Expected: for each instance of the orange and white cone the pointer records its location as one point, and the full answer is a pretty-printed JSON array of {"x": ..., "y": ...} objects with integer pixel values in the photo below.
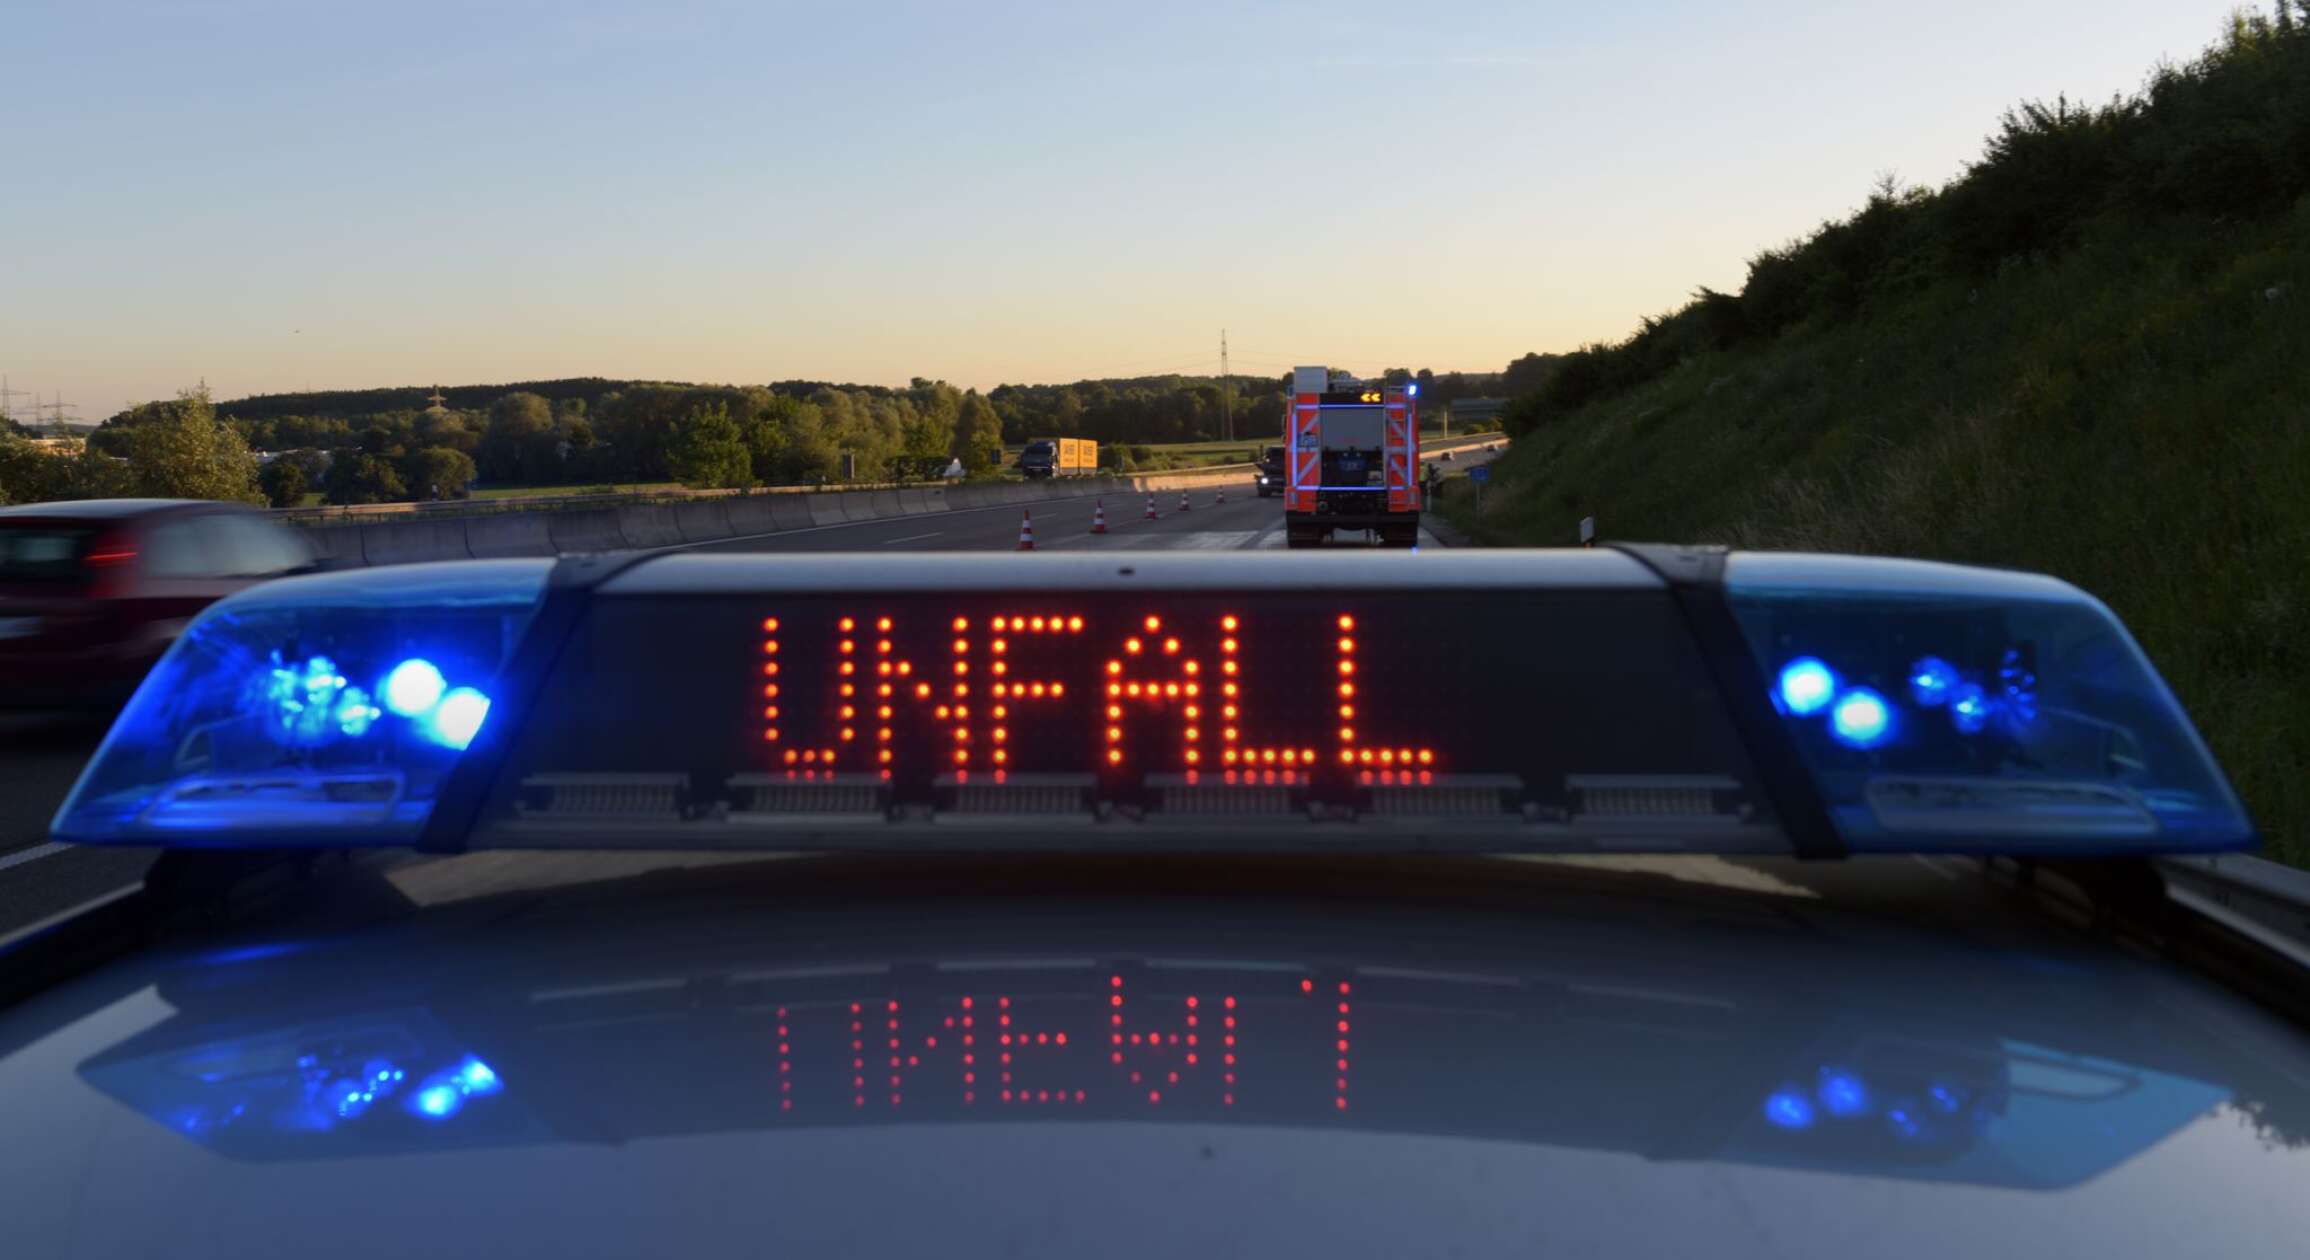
[
  {"x": 1183, "y": 505},
  {"x": 1150, "y": 507},
  {"x": 1026, "y": 531},
  {"x": 1099, "y": 516}
]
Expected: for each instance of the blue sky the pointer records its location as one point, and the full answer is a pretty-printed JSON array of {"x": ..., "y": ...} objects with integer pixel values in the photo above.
[{"x": 275, "y": 194}]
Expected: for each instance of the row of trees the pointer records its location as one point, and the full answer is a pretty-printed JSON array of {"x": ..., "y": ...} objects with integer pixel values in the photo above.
[
  {"x": 590, "y": 431},
  {"x": 2222, "y": 137},
  {"x": 176, "y": 449}
]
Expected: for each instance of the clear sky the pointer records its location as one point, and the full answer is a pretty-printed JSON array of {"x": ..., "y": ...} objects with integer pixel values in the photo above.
[{"x": 276, "y": 194}]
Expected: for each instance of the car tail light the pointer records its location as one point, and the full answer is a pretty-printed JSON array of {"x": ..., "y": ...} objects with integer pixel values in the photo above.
[{"x": 108, "y": 562}]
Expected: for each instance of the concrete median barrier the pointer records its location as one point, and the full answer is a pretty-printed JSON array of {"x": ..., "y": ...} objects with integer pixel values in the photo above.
[
  {"x": 708, "y": 521},
  {"x": 414, "y": 542},
  {"x": 585, "y": 531},
  {"x": 792, "y": 511},
  {"x": 649, "y": 527},
  {"x": 751, "y": 515},
  {"x": 337, "y": 546},
  {"x": 512, "y": 534}
]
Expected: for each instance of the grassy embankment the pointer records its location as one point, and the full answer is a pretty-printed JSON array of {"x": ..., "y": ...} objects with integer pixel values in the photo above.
[{"x": 2134, "y": 418}]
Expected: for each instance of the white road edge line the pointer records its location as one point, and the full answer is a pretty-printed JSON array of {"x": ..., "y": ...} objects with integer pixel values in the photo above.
[{"x": 33, "y": 854}]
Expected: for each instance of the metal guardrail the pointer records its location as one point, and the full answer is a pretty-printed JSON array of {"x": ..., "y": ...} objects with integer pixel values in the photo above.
[{"x": 2256, "y": 898}]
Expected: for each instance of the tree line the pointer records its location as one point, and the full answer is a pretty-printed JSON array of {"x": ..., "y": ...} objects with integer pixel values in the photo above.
[
  {"x": 2215, "y": 141},
  {"x": 389, "y": 445}
]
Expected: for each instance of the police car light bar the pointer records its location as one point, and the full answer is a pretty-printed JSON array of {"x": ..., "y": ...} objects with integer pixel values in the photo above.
[{"x": 1620, "y": 700}]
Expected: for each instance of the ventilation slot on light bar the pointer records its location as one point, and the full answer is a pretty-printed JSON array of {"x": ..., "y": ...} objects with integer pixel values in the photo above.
[
  {"x": 808, "y": 793},
  {"x": 603, "y": 795},
  {"x": 1616, "y": 798}
]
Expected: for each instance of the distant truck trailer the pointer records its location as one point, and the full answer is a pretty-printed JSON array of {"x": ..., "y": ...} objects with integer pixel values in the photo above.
[{"x": 1059, "y": 457}]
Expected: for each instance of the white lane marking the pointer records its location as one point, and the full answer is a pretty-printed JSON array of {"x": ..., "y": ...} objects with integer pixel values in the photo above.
[
  {"x": 910, "y": 538},
  {"x": 1215, "y": 540},
  {"x": 33, "y": 854}
]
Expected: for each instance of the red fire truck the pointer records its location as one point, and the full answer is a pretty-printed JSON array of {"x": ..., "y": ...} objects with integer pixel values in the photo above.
[{"x": 1352, "y": 452}]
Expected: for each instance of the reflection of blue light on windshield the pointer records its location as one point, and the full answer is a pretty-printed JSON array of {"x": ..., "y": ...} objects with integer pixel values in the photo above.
[
  {"x": 1807, "y": 686},
  {"x": 475, "y": 1077},
  {"x": 1842, "y": 1093},
  {"x": 1789, "y": 1109},
  {"x": 437, "y": 1102},
  {"x": 347, "y": 1098},
  {"x": 1861, "y": 719},
  {"x": 413, "y": 687},
  {"x": 382, "y": 1073},
  {"x": 250, "y": 953}
]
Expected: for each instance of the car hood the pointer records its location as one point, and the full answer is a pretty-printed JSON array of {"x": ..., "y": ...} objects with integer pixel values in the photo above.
[{"x": 728, "y": 1059}]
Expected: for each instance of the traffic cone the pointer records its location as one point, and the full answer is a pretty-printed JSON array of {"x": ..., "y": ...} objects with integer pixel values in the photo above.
[
  {"x": 1150, "y": 507},
  {"x": 1026, "y": 531},
  {"x": 1183, "y": 505},
  {"x": 1099, "y": 516}
]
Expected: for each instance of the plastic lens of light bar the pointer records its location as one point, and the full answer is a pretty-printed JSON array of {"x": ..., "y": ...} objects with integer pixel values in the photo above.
[
  {"x": 318, "y": 710},
  {"x": 1807, "y": 686},
  {"x": 1971, "y": 710}
]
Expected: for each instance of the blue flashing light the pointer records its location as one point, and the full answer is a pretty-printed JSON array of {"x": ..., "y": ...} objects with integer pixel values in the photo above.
[
  {"x": 1842, "y": 1094},
  {"x": 437, "y": 1102},
  {"x": 1807, "y": 686},
  {"x": 302, "y": 698},
  {"x": 2016, "y": 690},
  {"x": 413, "y": 688},
  {"x": 1861, "y": 719},
  {"x": 1931, "y": 680},
  {"x": 1969, "y": 709},
  {"x": 355, "y": 714},
  {"x": 476, "y": 1078},
  {"x": 1789, "y": 1109},
  {"x": 454, "y": 722}
]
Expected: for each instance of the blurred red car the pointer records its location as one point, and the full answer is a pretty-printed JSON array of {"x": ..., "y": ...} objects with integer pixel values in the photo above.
[{"x": 91, "y": 593}]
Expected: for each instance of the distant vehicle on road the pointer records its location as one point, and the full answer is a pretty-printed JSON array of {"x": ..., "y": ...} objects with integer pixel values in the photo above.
[
  {"x": 91, "y": 593},
  {"x": 1355, "y": 455},
  {"x": 1271, "y": 472},
  {"x": 1059, "y": 457}
]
